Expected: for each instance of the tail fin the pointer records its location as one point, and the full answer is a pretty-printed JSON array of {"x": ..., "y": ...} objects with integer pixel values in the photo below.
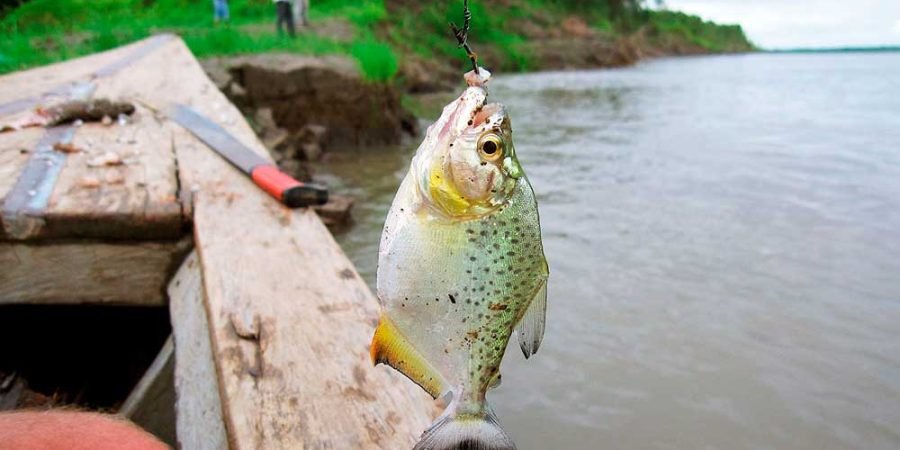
[{"x": 466, "y": 432}]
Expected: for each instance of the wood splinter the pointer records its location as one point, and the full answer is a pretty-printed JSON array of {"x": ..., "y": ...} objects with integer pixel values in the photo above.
[{"x": 85, "y": 110}]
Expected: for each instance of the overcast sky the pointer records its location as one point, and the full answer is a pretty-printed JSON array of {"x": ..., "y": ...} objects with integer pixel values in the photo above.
[{"x": 804, "y": 23}]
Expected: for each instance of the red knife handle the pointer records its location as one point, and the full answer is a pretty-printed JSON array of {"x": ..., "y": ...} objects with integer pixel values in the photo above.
[{"x": 286, "y": 189}]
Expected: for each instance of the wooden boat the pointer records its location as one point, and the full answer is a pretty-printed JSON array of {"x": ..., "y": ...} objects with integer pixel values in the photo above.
[{"x": 270, "y": 320}]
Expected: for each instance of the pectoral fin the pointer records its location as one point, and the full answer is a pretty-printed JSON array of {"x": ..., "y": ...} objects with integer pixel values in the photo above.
[
  {"x": 531, "y": 328},
  {"x": 389, "y": 346}
]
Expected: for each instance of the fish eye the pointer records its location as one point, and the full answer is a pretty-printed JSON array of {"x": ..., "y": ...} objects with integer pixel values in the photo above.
[{"x": 490, "y": 147}]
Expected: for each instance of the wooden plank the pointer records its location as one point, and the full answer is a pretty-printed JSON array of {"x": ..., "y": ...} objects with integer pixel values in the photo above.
[
  {"x": 199, "y": 422},
  {"x": 136, "y": 199},
  {"x": 151, "y": 404},
  {"x": 290, "y": 319},
  {"x": 87, "y": 272}
]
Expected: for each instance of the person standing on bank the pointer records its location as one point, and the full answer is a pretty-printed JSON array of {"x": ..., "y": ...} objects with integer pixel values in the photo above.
[
  {"x": 285, "y": 16},
  {"x": 220, "y": 11},
  {"x": 301, "y": 16}
]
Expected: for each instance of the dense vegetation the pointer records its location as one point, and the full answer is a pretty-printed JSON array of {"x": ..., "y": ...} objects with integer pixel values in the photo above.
[{"x": 383, "y": 31}]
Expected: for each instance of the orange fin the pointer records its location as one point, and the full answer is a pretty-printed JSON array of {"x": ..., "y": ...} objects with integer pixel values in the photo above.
[{"x": 389, "y": 346}]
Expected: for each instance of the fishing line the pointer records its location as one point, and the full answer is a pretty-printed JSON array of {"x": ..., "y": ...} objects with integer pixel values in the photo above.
[{"x": 462, "y": 35}]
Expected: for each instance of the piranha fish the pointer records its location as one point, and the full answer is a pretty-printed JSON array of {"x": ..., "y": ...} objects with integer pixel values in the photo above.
[{"x": 461, "y": 266}]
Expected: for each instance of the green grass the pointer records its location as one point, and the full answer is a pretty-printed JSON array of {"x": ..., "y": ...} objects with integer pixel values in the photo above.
[
  {"x": 376, "y": 59},
  {"x": 361, "y": 13},
  {"x": 44, "y": 31}
]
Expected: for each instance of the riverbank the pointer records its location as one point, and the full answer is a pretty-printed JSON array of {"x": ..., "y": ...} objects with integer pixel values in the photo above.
[{"x": 400, "y": 42}]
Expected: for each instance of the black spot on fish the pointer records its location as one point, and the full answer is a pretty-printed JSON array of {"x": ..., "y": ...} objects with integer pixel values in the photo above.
[
  {"x": 471, "y": 258},
  {"x": 452, "y": 298}
]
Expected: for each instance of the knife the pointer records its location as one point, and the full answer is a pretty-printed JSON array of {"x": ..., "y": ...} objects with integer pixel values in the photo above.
[{"x": 286, "y": 189}]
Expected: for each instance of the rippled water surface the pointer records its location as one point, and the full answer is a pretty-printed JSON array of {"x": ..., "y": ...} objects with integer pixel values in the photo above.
[{"x": 724, "y": 244}]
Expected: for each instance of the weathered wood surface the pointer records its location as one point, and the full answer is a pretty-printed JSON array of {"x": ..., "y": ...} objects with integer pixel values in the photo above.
[
  {"x": 290, "y": 319},
  {"x": 122, "y": 181},
  {"x": 199, "y": 422},
  {"x": 151, "y": 404},
  {"x": 134, "y": 199},
  {"x": 87, "y": 272}
]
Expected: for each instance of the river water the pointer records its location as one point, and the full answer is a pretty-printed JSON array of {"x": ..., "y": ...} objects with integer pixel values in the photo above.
[{"x": 723, "y": 236}]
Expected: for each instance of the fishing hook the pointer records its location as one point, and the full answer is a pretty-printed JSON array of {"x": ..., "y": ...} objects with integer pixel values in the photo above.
[{"x": 462, "y": 35}]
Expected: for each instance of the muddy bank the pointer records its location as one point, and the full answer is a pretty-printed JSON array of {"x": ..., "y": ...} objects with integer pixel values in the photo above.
[
  {"x": 328, "y": 93},
  {"x": 549, "y": 44}
]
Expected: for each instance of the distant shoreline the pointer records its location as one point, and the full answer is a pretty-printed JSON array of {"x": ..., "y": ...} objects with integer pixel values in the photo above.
[{"x": 872, "y": 49}]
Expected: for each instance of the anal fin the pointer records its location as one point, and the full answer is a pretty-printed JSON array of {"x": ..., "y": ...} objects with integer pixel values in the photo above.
[{"x": 390, "y": 347}]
